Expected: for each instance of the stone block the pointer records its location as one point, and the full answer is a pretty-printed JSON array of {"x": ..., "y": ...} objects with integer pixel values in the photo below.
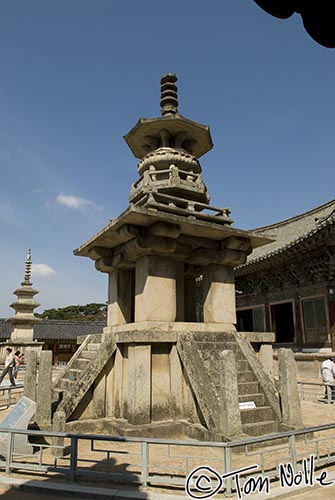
[
  {"x": 44, "y": 390},
  {"x": 120, "y": 297},
  {"x": 288, "y": 388},
  {"x": 139, "y": 384},
  {"x": 219, "y": 295},
  {"x": 155, "y": 289},
  {"x": 30, "y": 375},
  {"x": 230, "y": 415},
  {"x": 266, "y": 358}
]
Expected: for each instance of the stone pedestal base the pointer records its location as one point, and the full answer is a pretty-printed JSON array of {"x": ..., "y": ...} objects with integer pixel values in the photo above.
[{"x": 149, "y": 327}]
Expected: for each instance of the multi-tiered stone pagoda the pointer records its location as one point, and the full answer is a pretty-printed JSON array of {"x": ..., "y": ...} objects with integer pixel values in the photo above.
[
  {"x": 170, "y": 360},
  {"x": 24, "y": 319}
]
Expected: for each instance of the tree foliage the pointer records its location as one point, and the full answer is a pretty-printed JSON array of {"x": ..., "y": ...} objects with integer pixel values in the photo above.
[{"x": 89, "y": 312}]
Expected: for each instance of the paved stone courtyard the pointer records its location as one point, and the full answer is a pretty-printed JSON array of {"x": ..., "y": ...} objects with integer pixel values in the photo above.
[{"x": 314, "y": 413}]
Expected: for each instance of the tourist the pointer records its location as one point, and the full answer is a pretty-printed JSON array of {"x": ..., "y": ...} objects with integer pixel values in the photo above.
[
  {"x": 18, "y": 359},
  {"x": 9, "y": 365},
  {"x": 328, "y": 376}
]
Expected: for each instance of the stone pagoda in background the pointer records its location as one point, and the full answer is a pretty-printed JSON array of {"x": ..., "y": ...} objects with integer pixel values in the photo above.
[
  {"x": 170, "y": 361},
  {"x": 24, "y": 320}
]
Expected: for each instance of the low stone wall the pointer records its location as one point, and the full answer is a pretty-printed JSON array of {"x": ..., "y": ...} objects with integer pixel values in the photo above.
[{"x": 308, "y": 364}]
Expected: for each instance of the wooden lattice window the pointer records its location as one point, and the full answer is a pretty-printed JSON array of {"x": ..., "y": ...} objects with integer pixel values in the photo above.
[{"x": 315, "y": 320}]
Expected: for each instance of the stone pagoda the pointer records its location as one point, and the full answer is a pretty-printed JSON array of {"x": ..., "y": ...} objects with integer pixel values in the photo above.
[
  {"x": 24, "y": 320},
  {"x": 170, "y": 361},
  {"x": 170, "y": 235}
]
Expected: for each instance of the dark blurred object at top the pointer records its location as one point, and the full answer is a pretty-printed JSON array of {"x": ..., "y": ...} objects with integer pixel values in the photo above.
[{"x": 317, "y": 16}]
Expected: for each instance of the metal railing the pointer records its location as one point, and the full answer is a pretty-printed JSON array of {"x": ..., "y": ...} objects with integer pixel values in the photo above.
[
  {"x": 167, "y": 462},
  {"x": 315, "y": 391},
  {"x": 9, "y": 395}
]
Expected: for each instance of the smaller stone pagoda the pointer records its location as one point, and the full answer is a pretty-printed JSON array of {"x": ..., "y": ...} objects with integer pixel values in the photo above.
[{"x": 24, "y": 320}]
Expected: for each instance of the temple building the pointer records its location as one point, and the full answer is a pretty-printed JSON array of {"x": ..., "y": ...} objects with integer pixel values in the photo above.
[{"x": 288, "y": 286}]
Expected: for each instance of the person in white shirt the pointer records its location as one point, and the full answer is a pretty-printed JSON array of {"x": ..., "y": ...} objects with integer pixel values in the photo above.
[
  {"x": 9, "y": 365},
  {"x": 328, "y": 376}
]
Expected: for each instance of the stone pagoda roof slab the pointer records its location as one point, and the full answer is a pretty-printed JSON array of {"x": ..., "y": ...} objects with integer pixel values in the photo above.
[
  {"x": 109, "y": 237},
  {"x": 196, "y": 132}
]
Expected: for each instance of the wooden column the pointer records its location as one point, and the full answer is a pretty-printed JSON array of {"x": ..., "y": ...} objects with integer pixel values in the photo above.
[{"x": 331, "y": 315}]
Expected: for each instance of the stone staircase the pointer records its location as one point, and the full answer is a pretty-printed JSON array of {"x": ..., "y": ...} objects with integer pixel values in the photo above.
[
  {"x": 81, "y": 372},
  {"x": 200, "y": 357}
]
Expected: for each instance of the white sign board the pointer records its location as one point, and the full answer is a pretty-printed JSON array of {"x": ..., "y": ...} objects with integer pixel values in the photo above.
[
  {"x": 18, "y": 418},
  {"x": 247, "y": 405}
]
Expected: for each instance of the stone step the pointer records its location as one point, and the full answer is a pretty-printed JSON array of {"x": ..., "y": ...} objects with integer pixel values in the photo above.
[
  {"x": 59, "y": 393},
  {"x": 75, "y": 372},
  {"x": 93, "y": 346},
  {"x": 80, "y": 363},
  {"x": 258, "y": 398},
  {"x": 88, "y": 354},
  {"x": 213, "y": 351},
  {"x": 242, "y": 365},
  {"x": 252, "y": 415},
  {"x": 67, "y": 384},
  {"x": 242, "y": 377},
  {"x": 218, "y": 346},
  {"x": 216, "y": 338},
  {"x": 246, "y": 376},
  {"x": 248, "y": 388},
  {"x": 260, "y": 428}
]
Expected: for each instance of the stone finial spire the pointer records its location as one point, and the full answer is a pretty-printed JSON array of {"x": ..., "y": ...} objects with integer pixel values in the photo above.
[
  {"x": 27, "y": 274},
  {"x": 169, "y": 96}
]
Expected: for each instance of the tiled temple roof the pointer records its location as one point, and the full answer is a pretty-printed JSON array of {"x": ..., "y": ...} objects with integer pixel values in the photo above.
[
  {"x": 288, "y": 234},
  {"x": 57, "y": 329}
]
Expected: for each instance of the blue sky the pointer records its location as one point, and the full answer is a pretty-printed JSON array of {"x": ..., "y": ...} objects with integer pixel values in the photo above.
[{"x": 76, "y": 76}]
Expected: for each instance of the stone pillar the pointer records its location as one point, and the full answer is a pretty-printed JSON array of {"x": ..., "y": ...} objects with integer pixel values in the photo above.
[
  {"x": 288, "y": 389},
  {"x": 58, "y": 425},
  {"x": 299, "y": 328},
  {"x": 155, "y": 296},
  {"x": 219, "y": 295},
  {"x": 139, "y": 384},
  {"x": 230, "y": 414},
  {"x": 120, "y": 297},
  {"x": 99, "y": 397},
  {"x": 180, "y": 291},
  {"x": 30, "y": 375},
  {"x": 266, "y": 358},
  {"x": 160, "y": 382},
  {"x": 177, "y": 385},
  {"x": 118, "y": 382},
  {"x": 190, "y": 299},
  {"x": 44, "y": 390}
]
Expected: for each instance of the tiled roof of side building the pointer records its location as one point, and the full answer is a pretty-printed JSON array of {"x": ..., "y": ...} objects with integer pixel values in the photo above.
[
  {"x": 57, "y": 329},
  {"x": 290, "y": 232}
]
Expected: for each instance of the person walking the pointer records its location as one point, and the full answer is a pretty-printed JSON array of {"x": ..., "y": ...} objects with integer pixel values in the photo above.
[
  {"x": 328, "y": 377},
  {"x": 18, "y": 359},
  {"x": 9, "y": 365}
]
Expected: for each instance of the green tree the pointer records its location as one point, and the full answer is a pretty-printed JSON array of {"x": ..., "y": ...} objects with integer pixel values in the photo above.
[{"x": 88, "y": 312}]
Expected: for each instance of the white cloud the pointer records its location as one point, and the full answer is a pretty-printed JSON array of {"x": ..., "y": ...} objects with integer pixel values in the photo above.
[
  {"x": 42, "y": 270},
  {"x": 75, "y": 202}
]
